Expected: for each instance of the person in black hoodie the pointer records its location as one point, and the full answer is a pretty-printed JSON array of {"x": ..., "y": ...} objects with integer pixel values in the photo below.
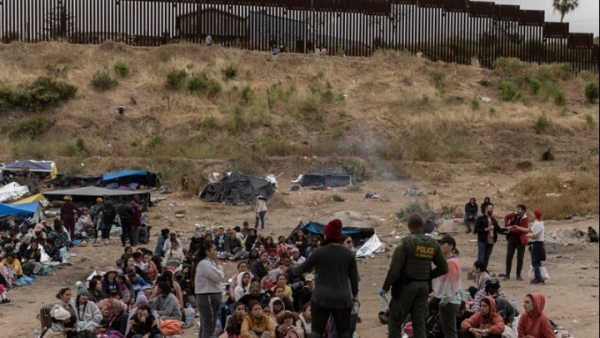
[
  {"x": 484, "y": 205},
  {"x": 126, "y": 213},
  {"x": 107, "y": 212},
  {"x": 470, "y": 214}
]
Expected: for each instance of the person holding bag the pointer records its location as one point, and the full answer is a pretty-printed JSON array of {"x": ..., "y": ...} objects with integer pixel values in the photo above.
[{"x": 536, "y": 246}]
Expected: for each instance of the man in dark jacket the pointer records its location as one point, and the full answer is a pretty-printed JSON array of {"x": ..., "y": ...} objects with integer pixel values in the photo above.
[
  {"x": 517, "y": 240},
  {"x": 470, "y": 213},
  {"x": 107, "y": 213},
  {"x": 136, "y": 220},
  {"x": 126, "y": 213},
  {"x": 487, "y": 229}
]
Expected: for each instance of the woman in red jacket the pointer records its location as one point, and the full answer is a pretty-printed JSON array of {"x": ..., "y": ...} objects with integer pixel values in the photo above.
[
  {"x": 486, "y": 323},
  {"x": 534, "y": 323}
]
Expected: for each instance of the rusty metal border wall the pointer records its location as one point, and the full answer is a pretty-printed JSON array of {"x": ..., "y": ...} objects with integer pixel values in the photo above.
[{"x": 448, "y": 30}]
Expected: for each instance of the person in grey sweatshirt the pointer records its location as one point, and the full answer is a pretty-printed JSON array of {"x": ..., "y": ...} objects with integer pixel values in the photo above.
[
  {"x": 166, "y": 304},
  {"x": 207, "y": 274}
]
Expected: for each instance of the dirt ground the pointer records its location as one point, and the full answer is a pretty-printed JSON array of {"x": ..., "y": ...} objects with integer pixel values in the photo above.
[{"x": 571, "y": 293}]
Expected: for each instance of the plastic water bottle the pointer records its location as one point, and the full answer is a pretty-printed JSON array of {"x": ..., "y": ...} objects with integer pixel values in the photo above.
[
  {"x": 36, "y": 333},
  {"x": 514, "y": 304},
  {"x": 189, "y": 314}
]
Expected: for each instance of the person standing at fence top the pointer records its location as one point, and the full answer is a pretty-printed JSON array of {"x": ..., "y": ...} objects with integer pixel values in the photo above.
[
  {"x": 208, "y": 41},
  {"x": 261, "y": 210},
  {"x": 67, "y": 215}
]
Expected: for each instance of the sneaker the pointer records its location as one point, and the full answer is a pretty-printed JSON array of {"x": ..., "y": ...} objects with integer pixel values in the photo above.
[
  {"x": 519, "y": 278},
  {"x": 507, "y": 277},
  {"x": 537, "y": 282}
]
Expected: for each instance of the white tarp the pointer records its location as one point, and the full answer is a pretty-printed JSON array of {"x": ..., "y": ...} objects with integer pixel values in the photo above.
[
  {"x": 12, "y": 191},
  {"x": 371, "y": 247}
]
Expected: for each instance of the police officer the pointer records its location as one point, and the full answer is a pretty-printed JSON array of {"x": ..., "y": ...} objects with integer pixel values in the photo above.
[{"x": 410, "y": 275}]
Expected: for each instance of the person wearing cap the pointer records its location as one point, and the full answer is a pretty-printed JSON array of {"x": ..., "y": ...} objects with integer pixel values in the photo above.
[
  {"x": 110, "y": 284},
  {"x": 67, "y": 214},
  {"x": 536, "y": 242},
  {"x": 297, "y": 258},
  {"x": 517, "y": 225},
  {"x": 287, "y": 322},
  {"x": 261, "y": 211},
  {"x": 409, "y": 278},
  {"x": 88, "y": 314},
  {"x": 335, "y": 265},
  {"x": 61, "y": 319},
  {"x": 448, "y": 289},
  {"x": 307, "y": 290}
]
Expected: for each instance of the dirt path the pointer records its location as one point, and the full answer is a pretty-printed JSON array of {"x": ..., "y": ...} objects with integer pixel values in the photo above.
[{"x": 571, "y": 294}]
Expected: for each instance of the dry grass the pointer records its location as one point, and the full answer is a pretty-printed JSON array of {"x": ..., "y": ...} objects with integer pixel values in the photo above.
[{"x": 559, "y": 199}]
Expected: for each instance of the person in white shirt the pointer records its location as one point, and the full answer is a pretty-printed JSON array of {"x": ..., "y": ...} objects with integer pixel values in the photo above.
[
  {"x": 536, "y": 242},
  {"x": 296, "y": 258},
  {"x": 172, "y": 238}
]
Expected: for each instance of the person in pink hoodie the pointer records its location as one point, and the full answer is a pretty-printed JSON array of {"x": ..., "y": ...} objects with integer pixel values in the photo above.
[
  {"x": 485, "y": 323},
  {"x": 534, "y": 323}
]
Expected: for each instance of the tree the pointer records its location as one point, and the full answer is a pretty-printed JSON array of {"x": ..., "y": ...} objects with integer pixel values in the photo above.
[
  {"x": 59, "y": 23},
  {"x": 564, "y": 7}
]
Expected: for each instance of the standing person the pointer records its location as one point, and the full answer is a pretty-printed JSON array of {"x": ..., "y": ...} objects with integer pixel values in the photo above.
[
  {"x": 108, "y": 213},
  {"x": 470, "y": 214},
  {"x": 95, "y": 213},
  {"x": 484, "y": 205},
  {"x": 534, "y": 322},
  {"x": 487, "y": 229},
  {"x": 208, "y": 274},
  {"x": 67, "y": 215},
  {"x": 536, "y": 242},
  {"x": 160, "y": 243},
  {"x": 126, "y": 213},
  {"x": 136, "y": 220},
  {"x": 517, "y": 225},
  {"x": 335, "y": 265},
  {"x": 409, "y": 276},
  {"x": 448, "y": 289},
  {"x": 261, "y": 210}
]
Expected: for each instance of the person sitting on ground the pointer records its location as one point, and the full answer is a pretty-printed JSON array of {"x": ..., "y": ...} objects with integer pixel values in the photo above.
[
  {"x": 273, "y": 258},
  {"x": 143, "y": 324},
  {"x": 287, "y": 325},
  {"x": 482, "y": 276},
  {"x": 486, "y": 323},
  {"x": 12, "y": 263},
  {"x": 243, "y": 285},
  {"x": 305, "y": 320},
  {"x": 297, "y": 258},
  {"x": 242, "y": 267},
  {"x": 166, "y": 304},
  {"x": 234, "y": 244},
  {"x": 52, "y": 250},
  {"x": 150, "y": 268},
  {"x": 461, "y": 315},
  {"x": 95, "y": 291},
  {"x": 233, "y": 324},
  {"x": 127, "y": 252},
  {"x": 250, "y": 240},
  {"x": 131, "y": 263},
  {"x": 195, "y": 242},
  {"x": 254, "y": 295},
  {"x": 282, "y": 282},
  {"x": 470, "y": 214},
  {"x": 32, "y": 259},
  {"x": 127, "y": 287},
  {"x": 174, "y": 254},
  {"x": 89, "y": 316},
  {"x": 114, "y": 315},
  {"x": 174, "y": 286},
  {"x": 277, "y": 307},
  {"x": 256, "y": 324},
  {"x": 503, "y": 306},
  {"x": 160, "y": 243},
  {"x": 59, "y": 234},
  {"x": 136, "y": 281},
  {"x": 110, "y": 284},
  {"x": 313, "y": 244},
  {"x": 64, "y": 301},
  {"x": 260, "y": 268},
  {"x": 61, "y": 323},
  {"x": 534, "y": 322}
]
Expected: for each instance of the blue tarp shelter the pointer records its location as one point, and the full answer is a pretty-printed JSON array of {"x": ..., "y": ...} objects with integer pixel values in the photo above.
[
  {"x": 23, "y": 210},
  {"x": 48, "y": 167},
  {"x": 124, "y": 177},
  {"x": 359, "y": 235}
]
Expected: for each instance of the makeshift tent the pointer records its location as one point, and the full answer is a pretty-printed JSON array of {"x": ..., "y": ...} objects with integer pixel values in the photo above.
[
  {"x": 87, "y": 195},
  {"x": 333, "y": 177},
  {"x": 371, "y": 247},
  {"x": 12, "y": 191},
  {"x": 126, "y": 177},
  {"x": 359, "y": 235},
  {"x": 34, "y": 198},
  {"x": 43, "y": 167},
  {"x": 70, "y": 180},
  {"x": 236, "y": 188},
  {"x": 31, "y": 210}
]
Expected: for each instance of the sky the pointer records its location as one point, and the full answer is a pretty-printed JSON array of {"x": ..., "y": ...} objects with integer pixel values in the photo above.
[{"x": 583, "y": 20}]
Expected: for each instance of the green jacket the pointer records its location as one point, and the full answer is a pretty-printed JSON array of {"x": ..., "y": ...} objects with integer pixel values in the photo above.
[{"x": 412, "y": 261}]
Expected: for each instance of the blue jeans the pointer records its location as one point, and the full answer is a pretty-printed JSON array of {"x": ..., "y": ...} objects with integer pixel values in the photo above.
[
  {"x": 261, "y": 217},
  {"x": 105, "y": 230},
  {"x": 484, "y": 251},
  {"x": 536, "y": 264},
  {"x": 468, "y": 222}
]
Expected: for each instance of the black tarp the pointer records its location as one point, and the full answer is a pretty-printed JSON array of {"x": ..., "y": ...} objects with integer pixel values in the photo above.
[
  {"x": 358, "y": 235},
  {"x": 64, "y": 181},
  {"x": 333, "y": 177},
  {"x": 236, "y": 188},
  {"x": 86, "y": 196}
]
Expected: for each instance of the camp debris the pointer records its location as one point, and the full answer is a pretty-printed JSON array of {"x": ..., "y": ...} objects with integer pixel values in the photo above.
[
  {"x": 129, "y": 178},
  {"x": 235, "y": 188},
  {"x": 371, "y": 247},
  {"x": 333, "y": 177},
  {"x": 31, "y": 210},
  {"x": 42, "y": 168},
  {"x": 359, "y": 235},
  {"x": 12, "y": 191},
  {"x": 88, "y": 195}
]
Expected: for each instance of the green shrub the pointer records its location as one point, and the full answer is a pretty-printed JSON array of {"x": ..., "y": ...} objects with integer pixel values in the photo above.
[
  {"x": 103, "y": 81},
  {"x": 43, "y": 93},
  {"x": 237, "y": 122},
  {"x": 507, "y": 67},
  {"x": 413, "y": 207},
  {"x": 156, "y": 140},
  {"x": 507, "y": 92},
  {"x": 475, "y": 104},
  {"x": 485, "y": 82},
  {"x": 229, "y": 73},
  {"x": 591, "y": 91},
  {"x": 214, "y": 88},
  {"x": 209, "y": 122},
  {"x": 492, "y": 112},
  {"x": 30, "y": 128},
  {"x": 358, "y": 168},
  {"x": 542, "y": 123},
  {"x": 437, "y": 78},
  {"x": 136, "y": 143},
  {"x": 121, "y": 69},
  {"x": 247, "y": 94},
  {"x": 316, "y": 116},
  {"x": 560, "y": 98},
  {"x": 589, "y": 120},
  {"x": 554, "y": 72},
  {"x": 534, "y": 84},
  {"x": 327, "y": 96},
  {"x": 80, "y": 144},
  {"x": 176, "y": 79},
  {"x": 197, "y": 84}
]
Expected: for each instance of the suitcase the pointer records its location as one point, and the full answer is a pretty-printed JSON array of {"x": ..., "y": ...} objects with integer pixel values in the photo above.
[{"x": 45, "y": 318}]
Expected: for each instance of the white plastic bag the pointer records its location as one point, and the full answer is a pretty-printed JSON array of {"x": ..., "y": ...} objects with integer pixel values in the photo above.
[{"x": 543, "y": 272}]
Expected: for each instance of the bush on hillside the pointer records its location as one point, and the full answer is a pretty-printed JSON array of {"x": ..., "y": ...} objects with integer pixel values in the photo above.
[
  {"x": 121, "y": 69},
  {"x": 43, "y": 93},
  {"x": 176, "y": 79},
  {"x": 229, "y": 73},
  {"x": 542, "y": 123},
  {"x": 102, "y": 81},
  {"x": 591, "y": 92},
  {"x": 508, "y": 67},
  {"x": 507, "y": 91},
  {"x": 29, "y": 128},
  {"x": 247, "y": 94}
]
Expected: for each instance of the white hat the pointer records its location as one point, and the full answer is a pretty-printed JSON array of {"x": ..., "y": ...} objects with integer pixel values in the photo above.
[
  {"x": 309, "y": 278},
  {"x": 60, "y": 313}
]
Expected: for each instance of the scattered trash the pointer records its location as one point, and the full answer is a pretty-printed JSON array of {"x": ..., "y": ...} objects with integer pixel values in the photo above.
[
  {"x": 414, "y": 192},
  {"x": 338, "y": 198},
  {"x": 295, "y": 188},
  {"x": 272, "y": 179},
  {"x": 297, "y": 180},
  {"x": 179, "y": 215},
  {"x": 371, "y": 247},
  {"x": 552, "y": 194},
  {"x": 371, "y": 195},
  {"x": 485, "y": 99}
]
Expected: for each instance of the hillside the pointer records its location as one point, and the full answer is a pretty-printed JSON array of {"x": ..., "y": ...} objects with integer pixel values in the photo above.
[{"x": 393, "y": 115}]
